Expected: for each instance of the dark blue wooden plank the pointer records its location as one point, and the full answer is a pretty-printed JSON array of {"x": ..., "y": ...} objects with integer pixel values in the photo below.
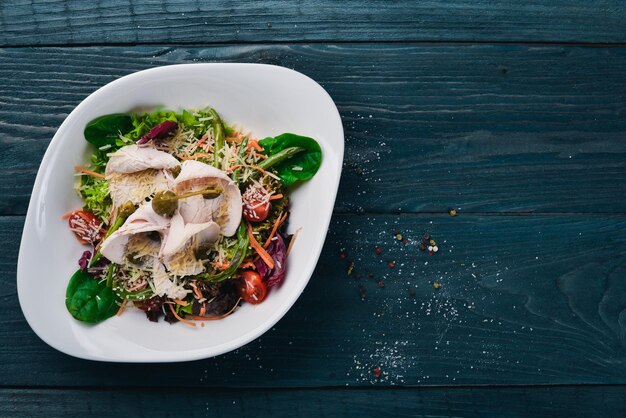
[
  {"x": 605, "y": 401},
  {"x": 477, "y": 127},
  {"x": 35, "y": 22},
  {"x": 506, "y": 300}
]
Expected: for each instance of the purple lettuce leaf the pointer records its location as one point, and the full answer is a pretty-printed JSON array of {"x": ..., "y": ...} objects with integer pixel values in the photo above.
[
  {"x": 158, "y": 132},
  {"x": 278, "y": 251},
  {"x": 83, "y": 262}
]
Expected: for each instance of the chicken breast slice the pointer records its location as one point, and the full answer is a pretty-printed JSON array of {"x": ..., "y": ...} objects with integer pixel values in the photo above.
[
  {"x": 144, "y": 219},
  {"x": 135, "y": 187},
  {"x": 133, "y": 158},
  {"x": 180, "y": 233},
  {"x": 225, "y": 210},
  {"x": 135, "y": 173}
]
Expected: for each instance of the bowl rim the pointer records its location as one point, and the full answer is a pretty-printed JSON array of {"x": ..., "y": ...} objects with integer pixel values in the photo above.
[{"x": 189, "y": 355}]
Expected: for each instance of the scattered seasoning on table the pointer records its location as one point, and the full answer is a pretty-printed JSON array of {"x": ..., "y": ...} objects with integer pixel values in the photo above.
[
  {"x": 377, "y": 372},
  {"x": 343, "y": 255},
  {"x": 350, "y": 268},
  {"x": 452, "y": 212},
  {"x": 399, "y": 236},
  {"x": 362, "y": 292},
  {"x": 381, "y": 283},
  {"x": 437, "y": 285},
  {"x": 370, "y": 274},
  {"x": 405, "y": 241},
  {"x": 424, "y": 242},
  {"x": 378, "y": 250},
  {"x": 392, "y": 264}
]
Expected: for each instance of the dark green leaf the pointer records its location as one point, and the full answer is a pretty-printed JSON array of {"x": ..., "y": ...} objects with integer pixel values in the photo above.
[
  {"x": 295, "y": 158},
  {"x": 88, "y": 300},
  {"x": 106, "y": 129}
]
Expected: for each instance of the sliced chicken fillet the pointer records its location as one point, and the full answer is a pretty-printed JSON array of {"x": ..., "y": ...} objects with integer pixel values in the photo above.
[
  {"x": 143, "y": 220},
  {"x": 225, "y": 209},
  {"x": 135, "y": 173}
]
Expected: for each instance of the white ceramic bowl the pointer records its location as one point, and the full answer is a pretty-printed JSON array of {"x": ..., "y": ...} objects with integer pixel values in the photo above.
[{"x": 268, "y": 100}]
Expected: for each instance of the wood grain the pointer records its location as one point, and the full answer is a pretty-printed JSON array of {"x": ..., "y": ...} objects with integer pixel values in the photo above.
[
  {"x": 522, "y": 300},
  {"x": 604, "y": 401},
  {"x": 36, "y": 22},
  {"x": 478, "y": 127}
]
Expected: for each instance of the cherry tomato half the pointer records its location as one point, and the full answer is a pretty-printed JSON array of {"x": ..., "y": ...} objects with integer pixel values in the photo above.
[
  {"x": 252, "y": 289},
  {"x": 86, "y": 226},
  {"x": 256, "y": 211}
]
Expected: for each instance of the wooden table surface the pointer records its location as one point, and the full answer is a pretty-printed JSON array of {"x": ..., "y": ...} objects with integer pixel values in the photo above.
[{"x": 513, "y": 113}]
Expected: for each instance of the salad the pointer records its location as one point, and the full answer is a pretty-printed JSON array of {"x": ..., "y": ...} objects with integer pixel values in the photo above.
[{"x": 184, "y": 217}]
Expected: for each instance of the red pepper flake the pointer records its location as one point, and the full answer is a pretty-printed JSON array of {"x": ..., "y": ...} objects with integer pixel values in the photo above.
[
  {"x": 392, "y": 264},
  {"x": 378, "y": 250},
  {"x": 405, "y": 241},
  {"x": 381, "y": 283},
  {"x": 343, "y": 255},
  {"x": 430, "y": 253},
  {"x": 377, "y": 372}
]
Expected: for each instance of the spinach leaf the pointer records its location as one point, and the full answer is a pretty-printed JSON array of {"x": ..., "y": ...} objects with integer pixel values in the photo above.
[
  {"x": 294, "y": 157},
  {"x": 88, "y": 300},
  {"x": 106, "y": 129}
]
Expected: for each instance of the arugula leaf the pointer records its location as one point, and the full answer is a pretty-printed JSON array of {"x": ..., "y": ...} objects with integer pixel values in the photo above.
[
  {"x": 106, "y": 129},
  {"x": 89, "y": 300},
  {"x": 295, "y": 158}
]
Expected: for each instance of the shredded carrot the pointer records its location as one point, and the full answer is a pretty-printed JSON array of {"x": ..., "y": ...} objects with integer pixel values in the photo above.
[
  {"x": 181, "y": 319},
  {"x": 261, "y": 156},
  {"x": 293, "y": 239},
  {"x": 254, "y": 144},
  {"x": 260, "y": 250},
  {"x": 68, "y": 214},
  {"x": 203, "y": 309},
  {"x": 256, "y": 167},
  {"x": 181, "y": 302},
  {"x": 220, "y": 266},
  {"x": 280, "y": 220},
  {"x": 276, "y": 196},
  {"x": 214, "y": 318},
  {"x": 85, "y": 171},
  {"x": 247, "y": 264},
  {"x": 121, "y": 309},
  {"x": 202, "y": 140},
  {"x": 196, "y": 291}
]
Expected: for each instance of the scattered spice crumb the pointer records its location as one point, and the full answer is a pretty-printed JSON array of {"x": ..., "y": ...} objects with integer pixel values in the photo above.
[
  {"x": 452, "y": 212},
  {"x": 399, "y": 236},
  {"x": 392, "y": 264},
  {"x": 437, "y": 285},
  {"x": 405, "y": 241},
  {"x": 370, "y": 274},
  {"x": 343, "y": 255},
  {"x": 377, "y": 372},
  {"x": 378, "y": 250},
  {"x": 350, "y": 268},
  {"x": 381, "y": 283}
]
